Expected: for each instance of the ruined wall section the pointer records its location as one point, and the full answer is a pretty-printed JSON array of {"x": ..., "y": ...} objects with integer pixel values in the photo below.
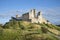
[
  {"x": 25, "y": 16},
  {"x": 40, "y": 20},
  {"x": 32, "y": 14}
]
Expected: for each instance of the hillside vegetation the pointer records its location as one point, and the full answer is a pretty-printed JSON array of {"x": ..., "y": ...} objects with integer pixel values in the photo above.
[{"x": 22, "y": 30}]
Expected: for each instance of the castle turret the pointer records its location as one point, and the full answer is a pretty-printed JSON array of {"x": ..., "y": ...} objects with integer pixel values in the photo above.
[
  {"x": 40, "y": 17},
  {"x": 32, "y": 13}
]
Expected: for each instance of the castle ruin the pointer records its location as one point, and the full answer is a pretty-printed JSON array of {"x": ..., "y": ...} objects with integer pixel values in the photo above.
[{"x": 31, "y": 17}]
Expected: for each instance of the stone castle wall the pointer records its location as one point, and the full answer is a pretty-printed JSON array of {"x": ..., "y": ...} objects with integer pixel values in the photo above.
[{"x": 32, "y": 17}]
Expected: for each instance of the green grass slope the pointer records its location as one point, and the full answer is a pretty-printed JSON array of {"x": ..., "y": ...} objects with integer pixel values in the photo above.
[{"x": 22, "y": 30}]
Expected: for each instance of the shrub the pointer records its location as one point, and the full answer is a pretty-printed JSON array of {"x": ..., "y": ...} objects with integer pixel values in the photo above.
[
  {"x": 44, "y": 30},
  {"x": 22, "y": 27}
]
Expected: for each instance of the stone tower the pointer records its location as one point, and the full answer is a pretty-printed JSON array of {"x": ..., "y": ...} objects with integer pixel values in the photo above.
[
  {"x": 40, "y": 17},
  {"x": 32, "y": 14}
]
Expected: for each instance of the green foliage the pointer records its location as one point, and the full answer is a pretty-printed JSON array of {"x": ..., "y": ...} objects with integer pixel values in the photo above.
[
  {"x": 15, "y": 34},
  {"x": 6, "y": 25},
  {"x": 12, "y": 24},
  {"x": 20, "y": 30},
  {"x": 40, "y": 37},
  {"x": 31, "y": 27},
  {"x": 44, "y": 30},
  {"x": 53, "y": 26},
  {"x": 10, "y": 34},
  {"x": 22, "y": 27},
  {"x": 56, "y": 27}
]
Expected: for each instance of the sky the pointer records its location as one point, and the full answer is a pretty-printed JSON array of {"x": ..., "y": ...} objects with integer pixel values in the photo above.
[{"x": 50, "y": 9}]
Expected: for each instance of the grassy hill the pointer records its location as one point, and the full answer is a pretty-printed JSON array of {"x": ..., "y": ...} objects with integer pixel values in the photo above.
[{"x": 22, "y": 30}]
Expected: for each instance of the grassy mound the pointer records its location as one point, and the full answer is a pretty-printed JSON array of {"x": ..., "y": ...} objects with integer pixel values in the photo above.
[{"x": 22, "y": 30}]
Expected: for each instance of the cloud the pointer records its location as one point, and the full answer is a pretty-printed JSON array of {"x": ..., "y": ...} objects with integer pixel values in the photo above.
[
  {"x": 12, "y": 13},
  {"x": 52, "y": 14}
]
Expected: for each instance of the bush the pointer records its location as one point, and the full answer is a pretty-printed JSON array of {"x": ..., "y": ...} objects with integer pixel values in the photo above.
[
  {"x": 22, "y": 27},
  {"x": 44, "y": 30}
]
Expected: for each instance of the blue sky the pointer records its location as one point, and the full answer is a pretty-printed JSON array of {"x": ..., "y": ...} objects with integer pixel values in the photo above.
[{"x": 49, "y": 8}]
